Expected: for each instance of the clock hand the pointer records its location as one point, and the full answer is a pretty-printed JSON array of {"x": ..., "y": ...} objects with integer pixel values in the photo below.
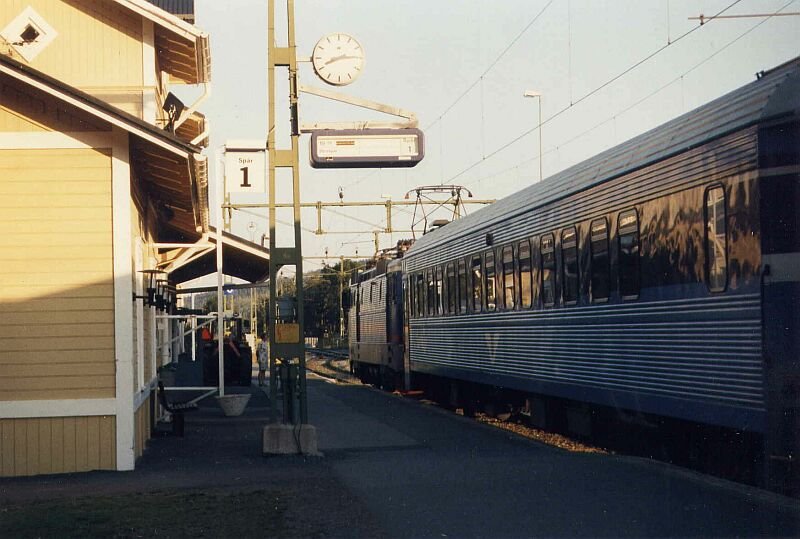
[{"x": 342, "y": 57}]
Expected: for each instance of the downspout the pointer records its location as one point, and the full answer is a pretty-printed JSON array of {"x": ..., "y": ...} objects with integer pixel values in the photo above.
[
  {"x": 206, "y": 130},
  {"x": 200, "y": 191},
  {"x": 203, "y": 56},
  {"x": 193, "y": 107}
]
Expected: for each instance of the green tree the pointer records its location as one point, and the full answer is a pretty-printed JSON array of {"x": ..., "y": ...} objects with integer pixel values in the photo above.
[{"x": 322, "y": 297}]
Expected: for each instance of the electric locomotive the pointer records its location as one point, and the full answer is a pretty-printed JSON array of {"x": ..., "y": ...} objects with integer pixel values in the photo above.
[{"x": 376, "y": 325}]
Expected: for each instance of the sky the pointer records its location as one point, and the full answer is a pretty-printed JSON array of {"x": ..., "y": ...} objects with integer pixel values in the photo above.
[{"x": 607, "y": 71}]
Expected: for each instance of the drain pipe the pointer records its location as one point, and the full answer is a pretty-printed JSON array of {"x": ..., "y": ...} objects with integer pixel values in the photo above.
[{"x": 188, "y": 112}]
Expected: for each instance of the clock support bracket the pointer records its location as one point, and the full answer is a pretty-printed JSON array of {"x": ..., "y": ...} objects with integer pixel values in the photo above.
[{"x": 410, "y": 117}]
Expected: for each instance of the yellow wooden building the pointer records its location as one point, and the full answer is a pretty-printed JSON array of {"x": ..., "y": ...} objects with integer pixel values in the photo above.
[{"x": 90, "y": 184}]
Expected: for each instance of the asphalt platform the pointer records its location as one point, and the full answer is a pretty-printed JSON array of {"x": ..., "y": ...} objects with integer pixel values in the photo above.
[{"x": 397, "y": 467}]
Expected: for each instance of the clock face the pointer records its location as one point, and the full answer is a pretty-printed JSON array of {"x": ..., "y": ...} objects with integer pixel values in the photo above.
[{"x": 338, "y": 59}]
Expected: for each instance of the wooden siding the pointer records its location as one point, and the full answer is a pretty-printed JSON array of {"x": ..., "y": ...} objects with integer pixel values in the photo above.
[
  {"x": 142, "y": 428},
  {"x": 57, "y": 445},
  {"x": 98, "y": 48},
  {"x": 56, "y": 275}
]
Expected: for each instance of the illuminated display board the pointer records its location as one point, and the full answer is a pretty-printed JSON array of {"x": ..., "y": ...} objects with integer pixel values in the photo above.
[{"x": 363, "y": 148}]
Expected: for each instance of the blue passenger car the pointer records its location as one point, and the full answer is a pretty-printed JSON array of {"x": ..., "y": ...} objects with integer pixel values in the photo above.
[{"x": 660, "y": 277}]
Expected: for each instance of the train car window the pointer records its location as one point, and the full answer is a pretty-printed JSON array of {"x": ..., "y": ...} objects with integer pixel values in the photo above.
[
  {"x": 628, "y": 237},
  {"x": 420, "y": 295},
  {"x": 477, "y": 284},
  {"x": 569, "y": 267},
  {"x": 600, "y": 269},
  {"x": 489, "y": 272},
  {"x": 439, "y": 290},
  {"x": 462, "y": 286},
  {"x": 548, "y": 270},
  {"x": 442, "y": 278},
  {"x": 410, "y": 296},
  {"x": 525, "y": 290},
  {"x": 431, "y": 296},
  {"x": 452, "y": 288},
  {"x": 716, "y": 240},
  {"x": 508, "y": 277}
]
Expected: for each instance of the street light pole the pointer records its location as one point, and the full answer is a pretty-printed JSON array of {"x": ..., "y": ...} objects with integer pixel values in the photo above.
[{"x": 534, "y": 93}]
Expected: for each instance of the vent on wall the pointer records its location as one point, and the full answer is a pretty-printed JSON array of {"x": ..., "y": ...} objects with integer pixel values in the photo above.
[{"x": 28, "y": 34}]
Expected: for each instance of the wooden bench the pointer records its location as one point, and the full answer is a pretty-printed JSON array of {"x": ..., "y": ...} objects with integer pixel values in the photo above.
[{"x": 177, "y": 409}]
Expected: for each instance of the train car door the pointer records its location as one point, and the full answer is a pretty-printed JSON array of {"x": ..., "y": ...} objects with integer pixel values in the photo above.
[{"x": 358, "y": 313}]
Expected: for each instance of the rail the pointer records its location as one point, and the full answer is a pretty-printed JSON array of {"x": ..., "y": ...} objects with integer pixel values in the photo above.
[{"x": 335, "y": 353}]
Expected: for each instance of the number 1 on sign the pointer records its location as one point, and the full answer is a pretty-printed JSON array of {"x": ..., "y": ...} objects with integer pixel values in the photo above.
[{"x": 244, "y": 177}]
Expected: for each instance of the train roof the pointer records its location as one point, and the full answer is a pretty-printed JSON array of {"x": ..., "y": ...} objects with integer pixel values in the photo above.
[{"x": 775, "y": 94}]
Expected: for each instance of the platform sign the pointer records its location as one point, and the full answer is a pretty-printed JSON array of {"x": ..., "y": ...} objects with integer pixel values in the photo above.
[
  {"x": 246, "y": 167},
  {"x": 364, "y": 148}
]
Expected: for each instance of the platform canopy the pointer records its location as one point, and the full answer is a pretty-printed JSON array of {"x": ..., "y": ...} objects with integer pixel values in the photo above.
[{"x": 240, "y": 258}]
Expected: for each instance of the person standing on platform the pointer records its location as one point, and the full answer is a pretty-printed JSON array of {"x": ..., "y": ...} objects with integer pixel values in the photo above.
[{"x": 263, "y": 358}]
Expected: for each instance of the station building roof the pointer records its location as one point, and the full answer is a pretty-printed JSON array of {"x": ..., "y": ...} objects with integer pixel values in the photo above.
[
  {"x": 183, "y": 49},
  {"x": 170, "y": 169},
  {"x": 183, "y": 9}
]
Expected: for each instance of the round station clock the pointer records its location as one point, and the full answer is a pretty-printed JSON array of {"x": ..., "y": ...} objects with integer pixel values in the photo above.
[{"x": 338, "y": 59}]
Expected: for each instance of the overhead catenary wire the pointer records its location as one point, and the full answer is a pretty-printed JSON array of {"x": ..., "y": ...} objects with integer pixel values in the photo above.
[
  {"x": 491, "y": 66},
  {"x": 466, "y": 91},
  {"x": 679, "y": 78},
  {"x": 586, "y": 96}
]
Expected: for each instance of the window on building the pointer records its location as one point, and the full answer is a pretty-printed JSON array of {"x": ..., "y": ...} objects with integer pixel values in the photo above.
[
  {"x": 569, "y": 257},
  {"x": 548, "y": 270},
  {"x": 452, "y": 288},
  {"x": 629, "y": 270},
  {"x": 716, "y": 240},
  {"x": 525, "y": 266},
  {"x": 477, "y": 284},
  {"x": 462, "y": 286},
  {"x": 489, "y": 273},
  {"x": 600, "y": 270},
  {"x": 509, "y": 297}
]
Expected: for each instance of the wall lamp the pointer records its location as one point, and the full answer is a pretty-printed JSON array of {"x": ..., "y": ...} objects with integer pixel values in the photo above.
[
  {"x": 151, "y": 288},
  {"x": 173, "y": 107},
  {"x": 163, "y": 294},
  {"x": 170, "y": 298}
]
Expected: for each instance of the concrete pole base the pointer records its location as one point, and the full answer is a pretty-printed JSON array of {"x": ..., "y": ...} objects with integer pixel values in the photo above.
[{"x": 280, "y": 439}]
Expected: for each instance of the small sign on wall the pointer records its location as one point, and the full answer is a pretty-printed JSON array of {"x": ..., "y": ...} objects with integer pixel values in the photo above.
[
  {"x": 246, "y": 167},
  {"x": 287, "y": 333}
]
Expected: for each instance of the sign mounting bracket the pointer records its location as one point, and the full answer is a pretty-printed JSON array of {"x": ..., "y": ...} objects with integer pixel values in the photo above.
[{"x": 410, "y": 117}]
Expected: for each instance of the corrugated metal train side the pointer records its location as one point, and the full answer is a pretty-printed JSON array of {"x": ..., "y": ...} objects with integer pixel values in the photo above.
[{"x": 659, "y": 277}]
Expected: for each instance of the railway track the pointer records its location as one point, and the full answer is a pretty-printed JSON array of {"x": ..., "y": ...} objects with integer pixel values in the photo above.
[{"x": 330, "y": 364}]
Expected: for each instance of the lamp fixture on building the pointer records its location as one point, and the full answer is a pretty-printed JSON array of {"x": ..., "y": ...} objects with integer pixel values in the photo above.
[
  {"x": 161, "y": 291},
  {"x": 170, "y": 298},
  {"x": 151, "y": 288},
  {"x": 174, "y": 108}
]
